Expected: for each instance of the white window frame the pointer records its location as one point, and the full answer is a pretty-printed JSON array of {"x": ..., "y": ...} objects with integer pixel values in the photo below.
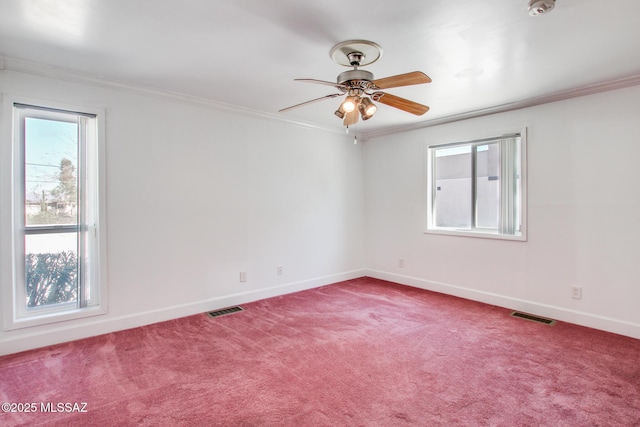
[
  {"x": 431, "y": 228},
  {"x": 12, "y": 230}
]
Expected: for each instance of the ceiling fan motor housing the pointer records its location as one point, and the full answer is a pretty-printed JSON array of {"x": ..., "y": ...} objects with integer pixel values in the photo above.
[{"x": 347, "y": 76}]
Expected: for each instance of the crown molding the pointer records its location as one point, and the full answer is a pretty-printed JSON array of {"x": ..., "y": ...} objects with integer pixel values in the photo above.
[
  {"x": 530, "y": 102},
  {"x": 49, "y": 71},
  {"x": 28, "y": 67}
]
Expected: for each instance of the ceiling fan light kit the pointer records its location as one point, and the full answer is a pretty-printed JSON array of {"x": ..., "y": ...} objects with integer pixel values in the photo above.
[
  {"x": 360, "y": 86},
  {"x": 350, "y": 103},
  {"x": 367, "y": 108},
  {"x": 541, "y": 7}
]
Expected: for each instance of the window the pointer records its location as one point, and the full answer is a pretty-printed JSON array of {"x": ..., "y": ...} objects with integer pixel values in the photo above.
[
  {"x": 57, "y": 264},
  {"x": 477, "y": 188}
]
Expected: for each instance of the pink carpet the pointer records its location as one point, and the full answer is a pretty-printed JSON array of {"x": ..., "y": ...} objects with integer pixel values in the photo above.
[{"x": 358, "y": 353}]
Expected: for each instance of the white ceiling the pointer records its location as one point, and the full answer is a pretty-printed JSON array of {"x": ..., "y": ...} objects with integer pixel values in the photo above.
[{"x": 481, "y": 54}]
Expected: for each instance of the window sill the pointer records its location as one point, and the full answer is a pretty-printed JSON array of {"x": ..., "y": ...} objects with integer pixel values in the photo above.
[
  {"x": 478, "y": 234},
  {"x": 48, "y": 318}
]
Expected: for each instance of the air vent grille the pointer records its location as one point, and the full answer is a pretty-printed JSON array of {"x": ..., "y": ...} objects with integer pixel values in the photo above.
[
  {"x": 533, "y": 318},
  {"x": 225, "y": 311}
]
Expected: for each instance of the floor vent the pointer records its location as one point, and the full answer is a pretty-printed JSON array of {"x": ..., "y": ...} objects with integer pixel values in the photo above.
[
  {"x": 225, "y": 311},
  {"x": 533, "y": 318}
]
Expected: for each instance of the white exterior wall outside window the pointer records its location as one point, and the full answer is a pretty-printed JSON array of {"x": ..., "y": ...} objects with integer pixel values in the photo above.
[
  {"x": 57, "y": 249},
  {"x": 478, "y": 188}
]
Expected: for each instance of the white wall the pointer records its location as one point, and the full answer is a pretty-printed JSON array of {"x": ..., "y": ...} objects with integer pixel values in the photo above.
[
  {"x": 196, "y": 194},
  {"x": 584, "y": 205}
]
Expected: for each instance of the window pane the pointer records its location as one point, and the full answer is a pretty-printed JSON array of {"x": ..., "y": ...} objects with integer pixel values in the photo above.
[
  {"x": 453, "y": 187},
  {"x": 51, "y": 182},
  {"x": 51, "y": 268},
  {"x": 488, "y": 186}
]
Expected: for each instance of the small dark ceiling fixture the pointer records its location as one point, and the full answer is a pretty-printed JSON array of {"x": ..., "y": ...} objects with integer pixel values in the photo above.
[{"x": 541, "y": 7}]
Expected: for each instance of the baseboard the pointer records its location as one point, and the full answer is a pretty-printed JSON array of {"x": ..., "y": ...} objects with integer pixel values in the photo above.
[
  {"x": 70, "y": 331},
  {"x": 608, "y": 324},
  {"x": 75, "y": 330}
]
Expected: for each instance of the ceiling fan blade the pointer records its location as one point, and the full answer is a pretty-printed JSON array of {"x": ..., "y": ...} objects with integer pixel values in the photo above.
[
  {"x": 333, "y": 95},
  {"x": 407, "y": 79},
  {"x": 351, "y": 118},
  {"x": 402, "y": 104},
  {"x": 322, "y": 82}
]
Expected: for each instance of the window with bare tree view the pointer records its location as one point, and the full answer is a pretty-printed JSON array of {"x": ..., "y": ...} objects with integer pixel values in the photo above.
[{"x": 55, "y": 235}]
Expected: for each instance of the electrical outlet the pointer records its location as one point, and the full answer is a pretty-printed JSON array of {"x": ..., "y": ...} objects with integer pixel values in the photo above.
[
  {"x": 576, "y": 292},
  {"x": 280, "y": 270},
  {"x": 401, "y": 263},
  {"x": 243, "y": 276}
]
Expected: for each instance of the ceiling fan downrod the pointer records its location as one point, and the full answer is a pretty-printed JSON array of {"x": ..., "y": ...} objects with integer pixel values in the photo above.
[
  {"x": 355, "y": 78},
  {"x": 355, "y": 58}
]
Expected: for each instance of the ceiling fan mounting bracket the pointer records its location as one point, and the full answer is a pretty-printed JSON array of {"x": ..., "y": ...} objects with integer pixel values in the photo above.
[{"x": 355, "y": 53}]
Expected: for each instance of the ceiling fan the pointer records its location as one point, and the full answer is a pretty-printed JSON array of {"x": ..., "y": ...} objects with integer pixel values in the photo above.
[{"x": 360, "y": 88}]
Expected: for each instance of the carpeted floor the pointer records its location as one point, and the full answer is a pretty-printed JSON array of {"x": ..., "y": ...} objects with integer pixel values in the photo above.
[{"x": 358, "y": 353}]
